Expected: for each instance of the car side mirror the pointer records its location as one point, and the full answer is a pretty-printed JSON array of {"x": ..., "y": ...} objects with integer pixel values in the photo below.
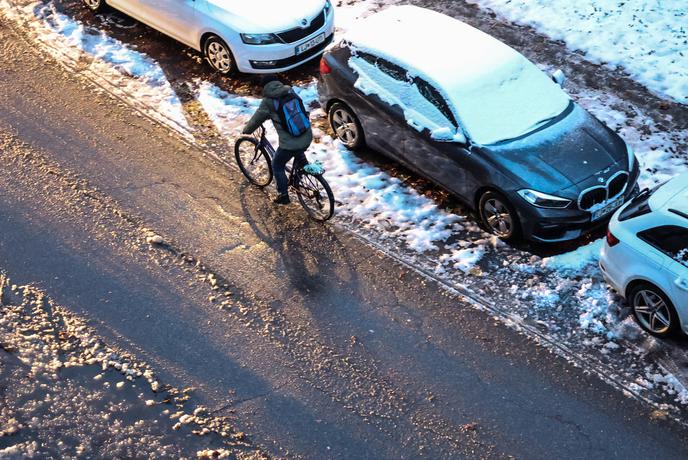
[
  {"x": 448, "y": 135},
  {"x": 559, "y": 78}
]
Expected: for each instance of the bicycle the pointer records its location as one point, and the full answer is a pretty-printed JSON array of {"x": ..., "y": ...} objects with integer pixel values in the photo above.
[{"x": 254, "y": 155}]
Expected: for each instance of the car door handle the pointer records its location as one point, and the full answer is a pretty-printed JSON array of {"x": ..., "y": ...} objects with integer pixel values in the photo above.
[{"x": 682, "y": 283}]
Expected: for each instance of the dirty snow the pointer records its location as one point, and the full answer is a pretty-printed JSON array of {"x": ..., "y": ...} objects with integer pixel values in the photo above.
[
  {"x": 68, "y": 394},
  {"x": 646, "y": 38},
  {"x": 114, "y": 64}
]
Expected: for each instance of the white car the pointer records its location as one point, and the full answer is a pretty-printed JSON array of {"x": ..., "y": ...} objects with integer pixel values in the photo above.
[
  {"x": 645, "y": 258},
  {"x": 252, "y": 36}
]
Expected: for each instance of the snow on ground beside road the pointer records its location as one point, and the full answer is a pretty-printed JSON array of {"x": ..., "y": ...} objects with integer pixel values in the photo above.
[
  {"x": 67, "y": 394},
  {"x": 368, "y": 195},
  {"x": 647, "y": 38},
  {"x": 575, "y": 260},
  {"x": 349, "y": 13},
  {"x": 113, "y": 63}
]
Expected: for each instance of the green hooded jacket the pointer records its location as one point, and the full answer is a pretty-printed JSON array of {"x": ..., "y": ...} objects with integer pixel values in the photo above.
[{"x": 274, "y": 90}]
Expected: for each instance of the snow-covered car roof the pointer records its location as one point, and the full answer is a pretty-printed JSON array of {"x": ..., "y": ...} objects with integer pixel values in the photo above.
[
  {"x": 672, "y": 195},
  {"x": 495, "y": 91}
]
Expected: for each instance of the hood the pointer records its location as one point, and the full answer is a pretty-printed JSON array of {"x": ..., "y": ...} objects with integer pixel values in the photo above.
[
  {"x": 265, "y": 16},
  {"x": 564, "y": 153},
  {"x": 275, "y": 89}
]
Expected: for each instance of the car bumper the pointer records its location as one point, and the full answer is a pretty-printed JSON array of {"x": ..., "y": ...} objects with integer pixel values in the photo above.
[
  {"x": 556, "y": 225},
  {"x": 610, "y": 272},
  {"x": 280, "y": 57}
]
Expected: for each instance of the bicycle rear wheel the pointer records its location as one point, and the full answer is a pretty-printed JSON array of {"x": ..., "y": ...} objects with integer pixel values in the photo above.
[
  {"x": 315, "y": 196},
  {"x": 253, "y": 161}
]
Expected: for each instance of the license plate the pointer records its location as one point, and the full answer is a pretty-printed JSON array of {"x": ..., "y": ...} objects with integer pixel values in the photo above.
[
  {"x": 606, "y": 209},
  {"x": 312, "y": 43}
]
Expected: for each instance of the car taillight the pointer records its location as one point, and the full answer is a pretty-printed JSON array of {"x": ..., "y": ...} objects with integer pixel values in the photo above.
[
  {"x": 611, "y": 239},
  {"x": 324, "y": 68}
]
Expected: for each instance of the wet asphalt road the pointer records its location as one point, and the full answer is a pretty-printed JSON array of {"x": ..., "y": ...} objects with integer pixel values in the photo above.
[{"x": 329, "y": 349}]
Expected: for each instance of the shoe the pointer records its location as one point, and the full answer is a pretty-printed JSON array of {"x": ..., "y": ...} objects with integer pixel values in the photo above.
[{"x": 282, "y": 199}]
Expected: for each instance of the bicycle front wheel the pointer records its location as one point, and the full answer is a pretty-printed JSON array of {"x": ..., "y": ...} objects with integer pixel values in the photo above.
[
  {"x": 253, "y": 161},
  {"x": 315, "y": 196}
]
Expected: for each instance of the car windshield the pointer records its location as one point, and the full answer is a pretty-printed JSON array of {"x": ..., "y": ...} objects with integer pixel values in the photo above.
[{"x": 513, "y": 100}]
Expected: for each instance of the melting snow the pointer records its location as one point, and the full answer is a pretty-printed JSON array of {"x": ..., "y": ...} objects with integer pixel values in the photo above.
[{"x": 647, "y": 38}]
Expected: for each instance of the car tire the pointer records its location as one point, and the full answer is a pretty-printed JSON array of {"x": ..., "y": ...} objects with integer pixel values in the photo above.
[
  {"x": 499, "y": 217},
  {"x": 95, "y": 6},
  {"x": 218, "y": 54},
  {"x": 345, "y": 125},
  {"x": 653, "y": 311}
]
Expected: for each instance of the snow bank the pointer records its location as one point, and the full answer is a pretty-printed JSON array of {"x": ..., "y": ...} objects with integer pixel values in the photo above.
[
  {"x": 647, "y": 38},
  {"x": 575, "y": 260},
  {"x": 111, "y": 62}
]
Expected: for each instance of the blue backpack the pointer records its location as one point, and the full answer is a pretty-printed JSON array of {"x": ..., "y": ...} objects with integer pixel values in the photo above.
[{"x": 292, "y": 114}]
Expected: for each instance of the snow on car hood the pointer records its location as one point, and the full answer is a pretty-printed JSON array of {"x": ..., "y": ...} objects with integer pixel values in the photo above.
[
  {"x": 574, "y": 147},
  {"x": 266, "y": 16}
]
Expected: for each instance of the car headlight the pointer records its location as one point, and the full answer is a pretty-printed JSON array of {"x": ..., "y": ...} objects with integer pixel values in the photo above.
[
  {"x": 631, "y": 157},
  {"x": 259, "y": 39},
  {"x": 543, "y": 200}
]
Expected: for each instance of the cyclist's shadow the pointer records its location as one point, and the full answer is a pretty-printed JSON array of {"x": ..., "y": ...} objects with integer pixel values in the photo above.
[{"x": 312, "y": 256}]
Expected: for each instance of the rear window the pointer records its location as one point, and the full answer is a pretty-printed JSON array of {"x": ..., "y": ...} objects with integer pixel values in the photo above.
[{"x": 670, "y": 239}]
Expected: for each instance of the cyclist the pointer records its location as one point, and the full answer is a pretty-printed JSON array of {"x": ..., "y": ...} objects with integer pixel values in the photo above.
[{"x": 290, "y": 146}]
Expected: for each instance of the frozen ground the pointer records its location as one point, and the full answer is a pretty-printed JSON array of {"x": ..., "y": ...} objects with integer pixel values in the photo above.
[
  {"x": 646, "y": 38},
  {"x": 562, "y": 296},
  {"x": 65, "y": 393}
]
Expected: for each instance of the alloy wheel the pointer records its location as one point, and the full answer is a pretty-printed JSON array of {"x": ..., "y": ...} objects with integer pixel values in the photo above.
[
  {"x": 652, "y": 311},
  {"x": 345, "y": 127},
  {"x": 93, "y": 4},
  {"x": 498, "y": 217}
]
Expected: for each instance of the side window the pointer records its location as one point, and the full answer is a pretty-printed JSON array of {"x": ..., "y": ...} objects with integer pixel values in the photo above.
[
  {"x": 393, "y": 70},
  {"x": 435, "y": 98},
  {"x": 670, "y": 239},
  {"x": 369, "y": 58}
]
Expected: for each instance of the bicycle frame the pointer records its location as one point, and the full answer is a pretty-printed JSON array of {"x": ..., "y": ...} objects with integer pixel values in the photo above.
[{"x": 267, "y": 145}]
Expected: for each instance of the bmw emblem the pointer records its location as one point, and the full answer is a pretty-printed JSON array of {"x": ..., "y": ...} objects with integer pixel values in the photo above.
[
  {"x": 304, "y": 22},
  {"x": 600, "y": 180}
]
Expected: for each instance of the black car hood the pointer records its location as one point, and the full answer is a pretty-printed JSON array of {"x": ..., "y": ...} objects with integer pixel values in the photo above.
[{"x": 563, "y": 153}]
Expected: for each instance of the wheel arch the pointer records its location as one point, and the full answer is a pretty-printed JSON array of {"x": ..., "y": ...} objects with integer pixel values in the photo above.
[
  {"x": 481, "y": 191},
  {"x": 635, "y": 282},
  {"x": 333, "y": 101},
  {"x": 205, "y": 35}
]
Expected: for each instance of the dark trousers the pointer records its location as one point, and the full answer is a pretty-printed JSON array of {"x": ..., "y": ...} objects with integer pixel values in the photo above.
[{"x": 282, "y": 157}]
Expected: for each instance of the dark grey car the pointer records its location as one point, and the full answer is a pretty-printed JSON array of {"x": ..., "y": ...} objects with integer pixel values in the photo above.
[{"x": 554, "y": 183}]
